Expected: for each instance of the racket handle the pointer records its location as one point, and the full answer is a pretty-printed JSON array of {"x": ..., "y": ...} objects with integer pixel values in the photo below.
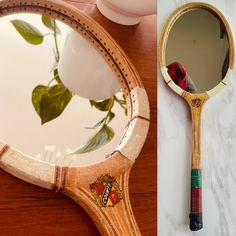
[{"x": 195, "y": 215}]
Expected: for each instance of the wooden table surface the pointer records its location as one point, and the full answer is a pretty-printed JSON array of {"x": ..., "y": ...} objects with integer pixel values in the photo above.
[{"x": 29, "y": 210}]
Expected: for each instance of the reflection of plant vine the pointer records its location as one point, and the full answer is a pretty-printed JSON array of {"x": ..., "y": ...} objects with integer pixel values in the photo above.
[
  {"x": 50, "y": 101},
  {"x": 56, "y": 43}
]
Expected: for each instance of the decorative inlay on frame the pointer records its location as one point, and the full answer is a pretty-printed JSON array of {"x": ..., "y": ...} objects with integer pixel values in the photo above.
[
  {"x": 106, "y": 191},
  {"x": 60, "y": 178},
  {"x": 197, "y": 102}
]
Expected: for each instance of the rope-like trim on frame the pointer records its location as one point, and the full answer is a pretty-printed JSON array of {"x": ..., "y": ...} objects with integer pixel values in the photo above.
[{"x": 60, "y": 178}]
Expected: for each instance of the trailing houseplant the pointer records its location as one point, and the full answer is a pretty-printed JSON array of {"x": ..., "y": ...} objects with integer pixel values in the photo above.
[{"x": 51, "y": 100}]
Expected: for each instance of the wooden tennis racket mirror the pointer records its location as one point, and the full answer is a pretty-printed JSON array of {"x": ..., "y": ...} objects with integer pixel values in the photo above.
[
  {"x": 75, "y": 114},
  {"x": 196, "y": 59}
]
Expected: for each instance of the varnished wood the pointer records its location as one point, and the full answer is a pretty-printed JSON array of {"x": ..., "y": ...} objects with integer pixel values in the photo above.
[
  {"x": 40, "y": 173},
  {"x": 118, "y": 220},
  {"x": 196, "y": 111},
  {"x": 195, "y": 101},
  {"x": 152, "y": 180},
  {"x": 203, "y": 97},
  {"x": 184, "y": 9}
]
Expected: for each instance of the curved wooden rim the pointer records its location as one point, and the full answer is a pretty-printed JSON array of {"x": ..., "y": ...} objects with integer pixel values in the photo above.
[
  {"x": 195, "y": 101},
  {"x": 137, "y": 101},
  {"x": 164, "y": 37}
]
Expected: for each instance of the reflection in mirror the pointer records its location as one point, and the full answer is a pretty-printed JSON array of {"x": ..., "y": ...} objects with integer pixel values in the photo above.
[
  {"x": 40, "y": 116},
  {"x": 197, "y": 55},
  {"x": 200, "y": 59}
]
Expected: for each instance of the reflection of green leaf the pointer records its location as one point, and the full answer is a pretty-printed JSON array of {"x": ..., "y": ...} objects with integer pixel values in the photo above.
[
  {"x": 56, "y": 76},
  {"x": 105, "y": 105},
  {"x": 121, "y": 102},
  {"x": 50, "y": 23},
  {"x": 50, "y": 102},
  {"x": 102, "y": 137},
  {"x": 37, "y": 94},
  {"x": 28, "y": 32},
  {"x": 103, "y": 121},
  {"x": 111, "y": 115},
  {"x": 97, "y": 124}
]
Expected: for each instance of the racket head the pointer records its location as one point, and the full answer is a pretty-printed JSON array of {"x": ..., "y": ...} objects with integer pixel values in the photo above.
[
  {"x": 194, "y": 9},
  {"x": 44, "y": 173}
]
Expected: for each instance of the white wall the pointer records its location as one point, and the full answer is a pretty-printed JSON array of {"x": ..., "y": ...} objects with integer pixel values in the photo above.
[
  {"x": 218, "y": 151},
  {"x": 200, "y": 48}
]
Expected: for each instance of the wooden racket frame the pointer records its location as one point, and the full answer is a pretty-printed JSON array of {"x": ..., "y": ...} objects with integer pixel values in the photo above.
[
  {"x": 195, "y": 101},
  {"x": 75, "y": 181}
]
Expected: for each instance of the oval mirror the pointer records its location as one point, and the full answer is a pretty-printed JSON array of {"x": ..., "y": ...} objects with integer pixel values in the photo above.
[
  {"x": 196, "y": 59},
  {"x": 72, "y": 118},
  {"x": 54, "y": 119}
]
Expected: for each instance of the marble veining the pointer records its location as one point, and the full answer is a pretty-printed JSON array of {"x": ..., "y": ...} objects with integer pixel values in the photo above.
[{"x": 218, "y": 149}]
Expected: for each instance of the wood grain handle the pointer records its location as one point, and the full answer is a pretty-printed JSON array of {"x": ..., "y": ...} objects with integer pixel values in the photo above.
[
  {"x": 196, "y": 103},
  {"x": 195, "y": 215},
  {"x": 116, "y": 220}
]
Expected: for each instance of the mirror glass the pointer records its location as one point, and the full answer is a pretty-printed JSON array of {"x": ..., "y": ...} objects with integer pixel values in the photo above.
[
  {"x": 40, "y": 116},
  {"x": 200, "y": 59}
]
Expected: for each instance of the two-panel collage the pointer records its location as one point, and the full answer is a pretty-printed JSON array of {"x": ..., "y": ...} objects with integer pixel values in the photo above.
[{"x": 118, "y": 118}]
